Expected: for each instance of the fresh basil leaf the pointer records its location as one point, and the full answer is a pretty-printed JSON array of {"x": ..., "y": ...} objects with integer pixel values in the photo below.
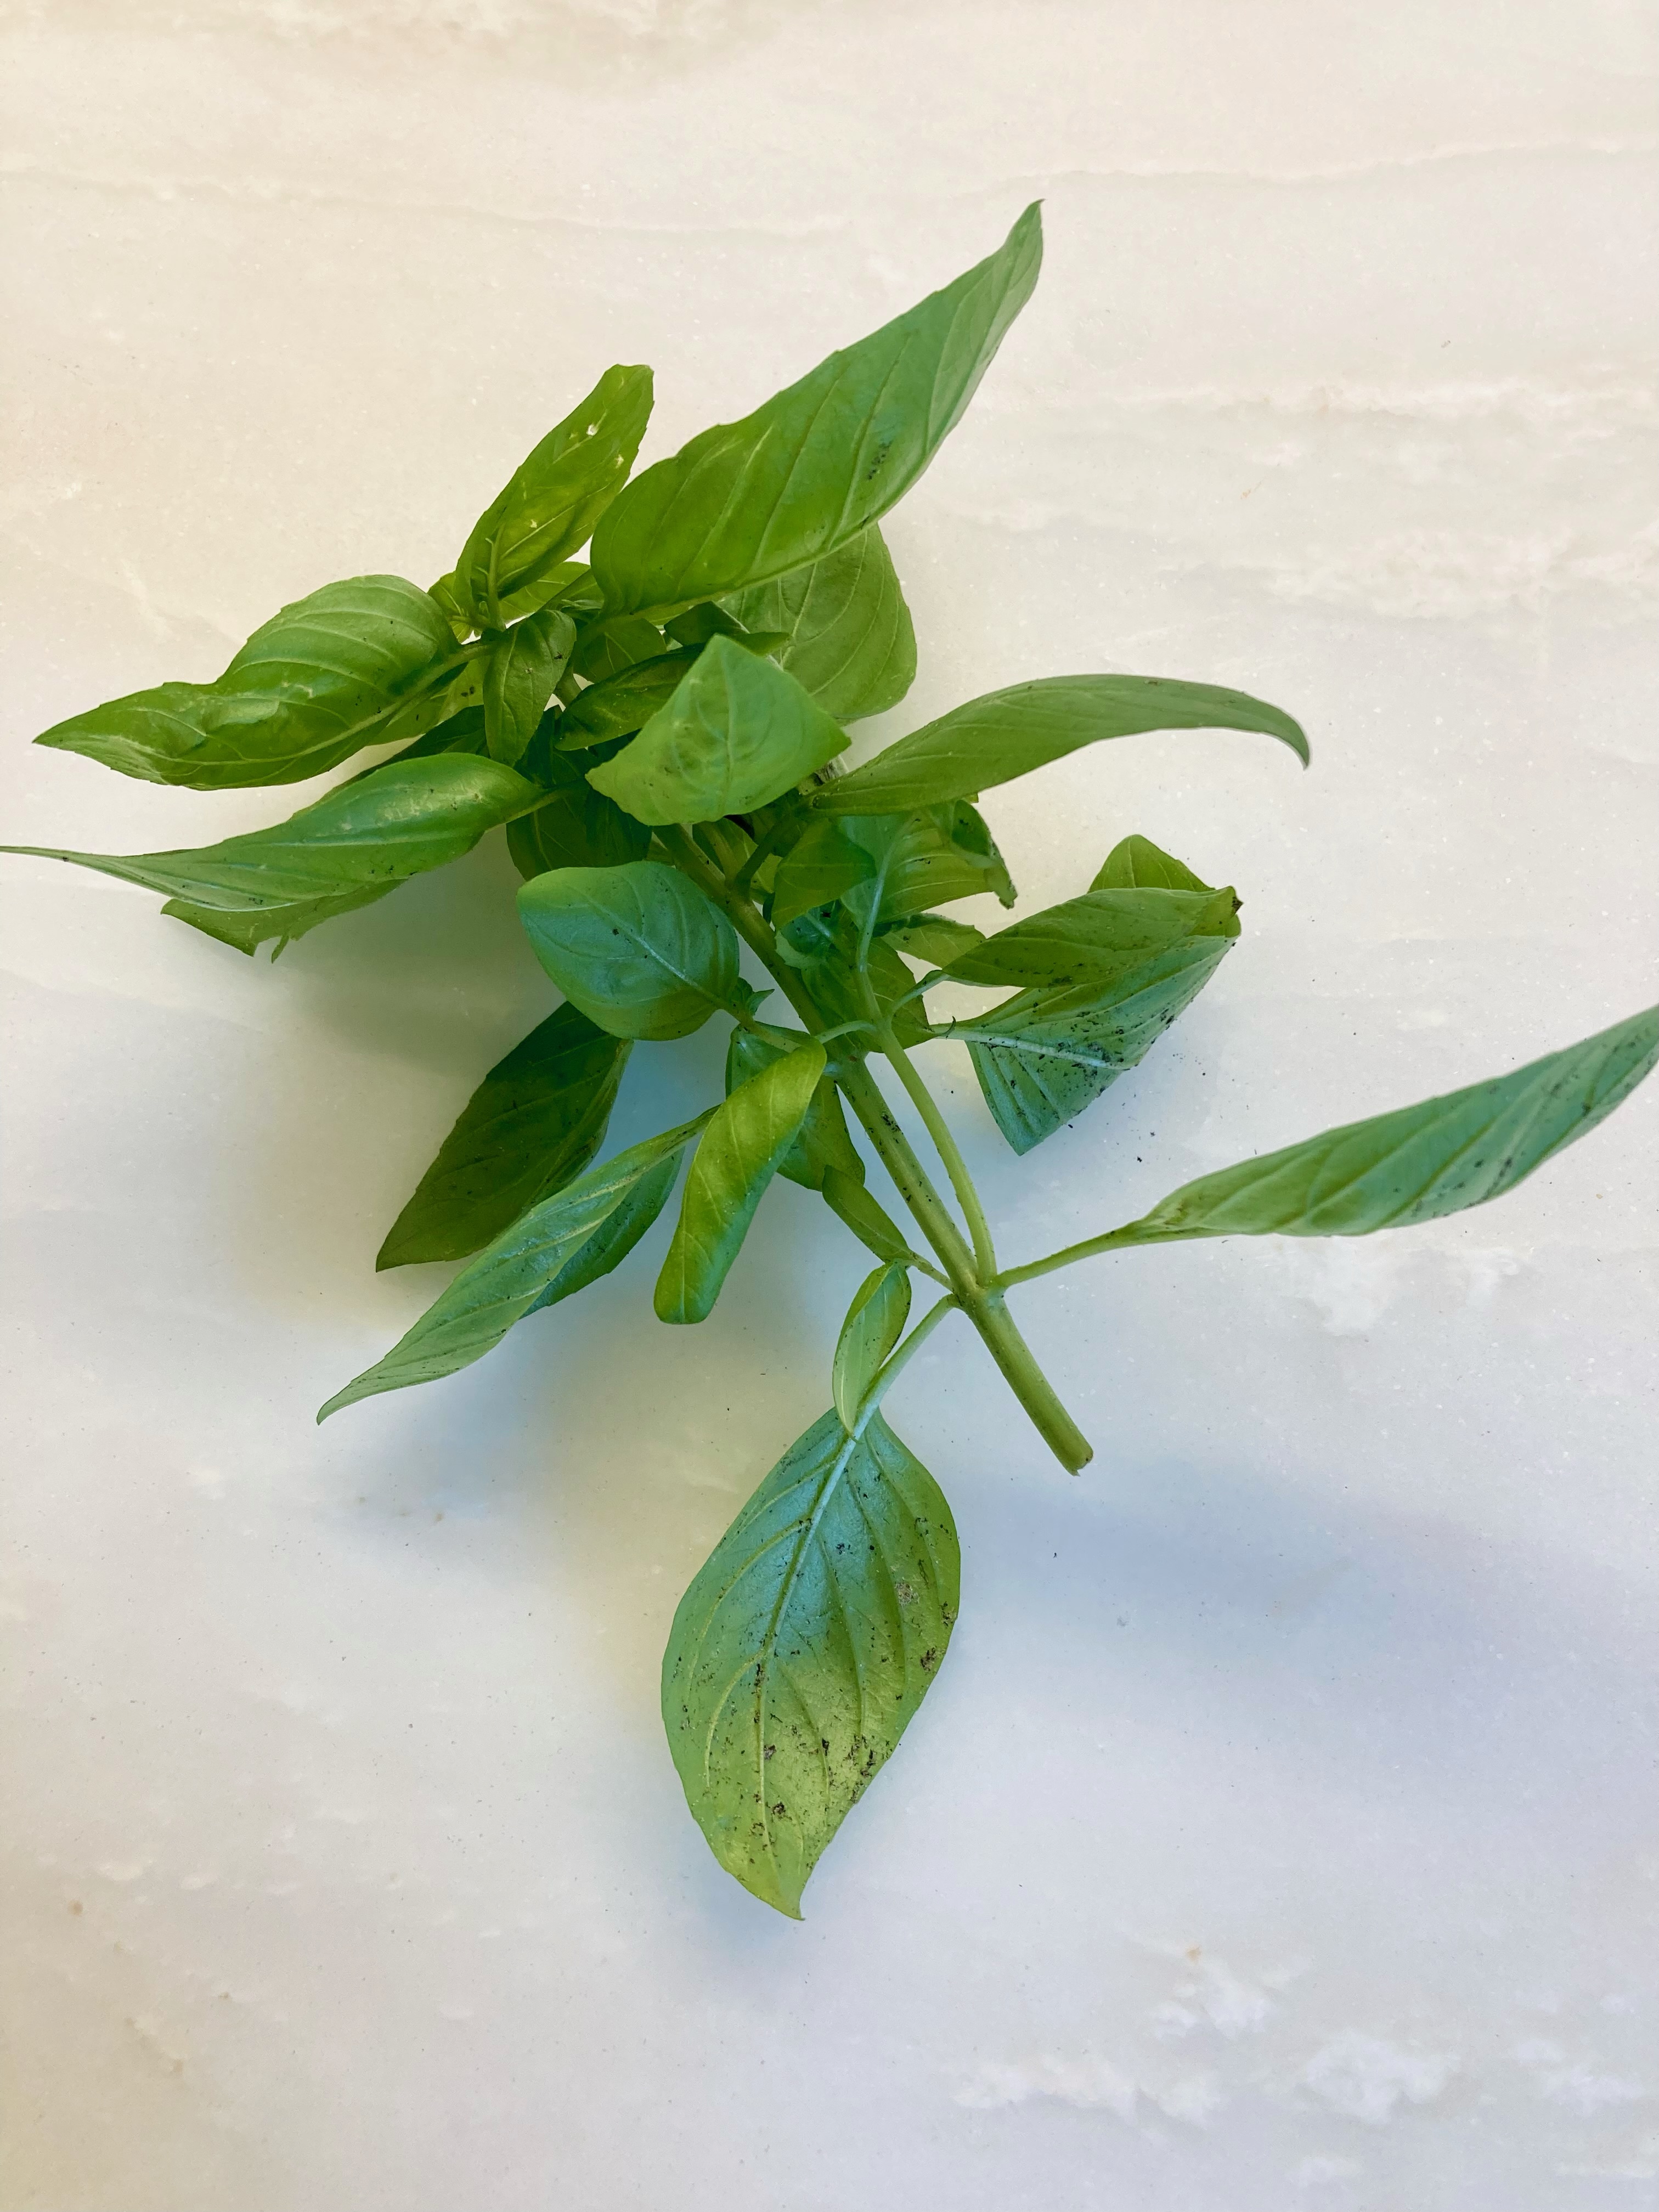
[
  {"x": 869, "y": 1221},
  {"x": 1136, "y": 864},
  {"x": 699, "y": 624},
  {"x": 740, "y": 1151},
  {"x": 463, "y": 732},
  {"x": 822, "y": 1142},
  {"x": 1420, "y": 1162},
  {"x": 923, "y": 860},
  {"x": 606, "y": 647},
  {"x": 821, "y": 866},
  {"x": 801, "y": 1651},
  {"x": 737, "y": 733},
  {"x": 1008, "y": 733},
  {"x": 352, "y": 846},
  {"x": 559, "y": 1247},
  {"x": 1043, "y": 1056},
  {"x": 875, "y": 1322},
  {"x": 443, "y": 593},
  {"x": 315, "y": 684},
  {"x": 850, "y": 639},
  {"x": 1096, "y": 939},
  {"x": 567, "y": 584},
  {"x": 934, "y": 938},
  {"x": 638, "y": 948},
  {"x": 520, "y": 669},
  {"x": 576, "y": 827},
  {"x": 532, "y": 1125},
  {"x": 820, "y": 461},
  {"x": 618, "y": 705},
  {"x": 550, "y": 505}
]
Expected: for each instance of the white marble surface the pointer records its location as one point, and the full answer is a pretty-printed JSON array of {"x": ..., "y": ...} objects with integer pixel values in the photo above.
[{"x": 1282, "y": 1831}]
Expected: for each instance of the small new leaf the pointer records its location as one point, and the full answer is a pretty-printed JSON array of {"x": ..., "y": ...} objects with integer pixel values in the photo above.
[
  {"x": 575, "y": 826},
  {"x": 741, "y": 1150},
  {"x": 737, "y": 733},
  {"x": 520, "y": 669},
  {"x": 1136, "y": 864},
  {"x": 639, "y": 949},
  {"x": 531, "y": 1125},
  {"x": 550, "y": 505},
  {"x": 802, "y": 1651},
  {"x": 1008, "y": 733},
  {"x": 875, "y": 1322},
  {"x": 820, "y": 461},
  {"x": 822, "y": 1142},
  {"x": 874, "y": 1227},
  {"x": 558, "y": 1248}
]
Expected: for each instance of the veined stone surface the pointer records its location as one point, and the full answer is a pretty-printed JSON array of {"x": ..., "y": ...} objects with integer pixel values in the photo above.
[{"x": 1282, "y": 1829}]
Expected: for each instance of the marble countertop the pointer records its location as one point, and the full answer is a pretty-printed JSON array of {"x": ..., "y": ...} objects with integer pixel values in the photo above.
[{"x": 1282, "y": 1830}]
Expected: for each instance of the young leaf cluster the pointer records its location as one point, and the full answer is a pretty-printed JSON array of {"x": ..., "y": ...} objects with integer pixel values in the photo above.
[{"x": 659, "y": 729}]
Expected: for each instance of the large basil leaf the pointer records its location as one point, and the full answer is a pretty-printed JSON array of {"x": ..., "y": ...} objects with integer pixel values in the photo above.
[
  {"x": 1096, "y": 939},
  {"x": 822, "y": 1142},
  {"x": 558, "y": 1248},
  {"x": 875, "y": 1322},
  {"x": 530, "y": 1126},
  {"x": 639, "y": 949},
  {"x": 740, "y": 1151},
  {"x": 520, "y": 668},
  {"x": 1043, "y": 1056},
  {"x": 1419, "y": 1163},
  {"x": 820, "y": 461},
  {"x": 800, "y": 1653},
  {"x": 315, "y": 684},
  {"x": 1008, "y": 733},
  {"x": 575, "y": 827},
  {"x": 737, "y": 733},
  {"x": 550, "y": 505},
  {"x": 354, "y": 845},
  {"x": 618, "y": 705},
  {"x": 1136, "y": 864},
  {"x": 850, "y": 639}
]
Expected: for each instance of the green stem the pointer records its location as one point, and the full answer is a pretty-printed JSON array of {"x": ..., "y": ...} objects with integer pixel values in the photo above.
[
  {"x": 982, "y": 1302},
  {"x": 944, "y": 1144},
  {"x": 1115, "y": 1240},
  {"x": 898, "y": 1361}
]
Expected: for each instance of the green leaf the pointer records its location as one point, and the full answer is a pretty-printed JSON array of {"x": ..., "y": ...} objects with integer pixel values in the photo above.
[
  {"x": 934, "y": 938},
  {"x": 874, "y": 1227},
  {"x": 822, "y": 1142},
  {"x": 800, "y": 1653},
  {"x": 520, "y": 669},
  {"x": 820, "y": 461},
  {"x": 352, "y": 846},
  {"x": 618, "y": 705},
  {"x": 850, "y": 640},
  {"x": 1008, "y": 733},
  {"x": 315, "y": 686},
  {"x": 1093, "y": 940},
  {"x": 1421, "y": 1162},
  {"x": 532, "y": 1125},
  {"x": 1043, "y": 1056},
  {"x": 606, "y": 647},
  {"x": 1136, "y": 864},
  {"x": 558, "y": 1248},
  {"x": 737, "y": 733},
  {"x": 822, "y": 865},
  {"x": 923, "y": 860},
  {"x": 550, "y": 503},
  {"x": 575, "y": 827},
  {"x": 875, "y": 1322},
  {"x": 740, "y": 1151},
  {"x": 639, "y": 948}
]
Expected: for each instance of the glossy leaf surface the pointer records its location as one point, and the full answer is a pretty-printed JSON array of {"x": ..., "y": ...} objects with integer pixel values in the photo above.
[
  {"x": 1420, "y": 1162},
  {"x": 520, "y": 668},
  {"x": 802, "y": 1651},
  {"x": 550, "y": 503},
  {"x": 849, "y": 639},
  {"x": 819, "y": 462},
  {"x": 875, "y": 1322},
  {"x": 532, "y": 1125},
  {"x": 352, "y": 846},
  {"x": 1006, "y": 734},
  {"x": 313, "y": 686},
  {"x": 556, "y": 1249},
  {"x": 822, "y": 1141},
  {"x": 740, "y": 1151},
  {"x": 737, "y": 733},
  {"x": 638, "y": 948}
]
